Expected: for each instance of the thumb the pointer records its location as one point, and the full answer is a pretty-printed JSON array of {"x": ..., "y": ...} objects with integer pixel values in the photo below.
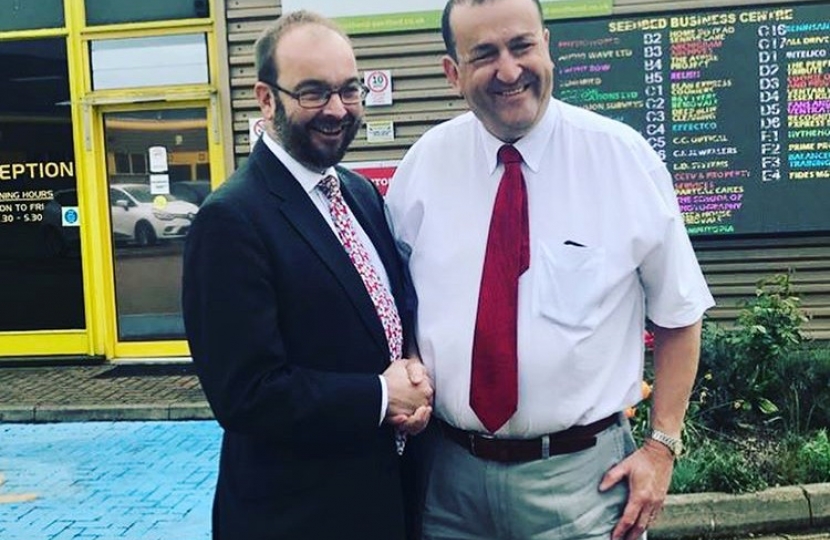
[
  {"x": 611, "y": 478},
  {"x": 416, "y": 371}
]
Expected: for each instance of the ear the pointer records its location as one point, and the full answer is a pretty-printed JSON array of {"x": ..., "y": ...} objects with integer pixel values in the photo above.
[
  {"x": 265, "y": 98},
  {"x": 451, "y": 72},
  {"x": 546, "y": 39}
]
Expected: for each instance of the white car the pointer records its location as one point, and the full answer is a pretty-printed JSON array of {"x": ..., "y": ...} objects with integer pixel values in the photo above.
[{"x": 143, "y": 218}]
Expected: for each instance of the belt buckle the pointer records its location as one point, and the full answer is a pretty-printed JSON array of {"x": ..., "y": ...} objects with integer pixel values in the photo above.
[{"x": 471, "y": 436}]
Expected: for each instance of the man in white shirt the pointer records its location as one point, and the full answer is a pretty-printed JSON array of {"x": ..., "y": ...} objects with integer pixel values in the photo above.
[{"x": 536, "y": 447}]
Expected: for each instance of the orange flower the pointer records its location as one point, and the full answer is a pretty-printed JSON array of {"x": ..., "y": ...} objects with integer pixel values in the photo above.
[{"x": 645, "y": 388}]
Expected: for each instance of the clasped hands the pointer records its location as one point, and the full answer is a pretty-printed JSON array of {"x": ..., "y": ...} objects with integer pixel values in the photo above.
[{"x": 410, "y": 395}]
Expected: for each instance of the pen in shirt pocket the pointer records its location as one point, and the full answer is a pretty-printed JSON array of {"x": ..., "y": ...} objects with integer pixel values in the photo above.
[{"x": 572, "y": 243}]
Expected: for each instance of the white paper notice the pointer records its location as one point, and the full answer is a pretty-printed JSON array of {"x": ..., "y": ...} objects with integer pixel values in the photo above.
[
  {"x": 380, "y": 131},
  {"x": 158, "y": 159},
  {"x": 160, "y": 184}
]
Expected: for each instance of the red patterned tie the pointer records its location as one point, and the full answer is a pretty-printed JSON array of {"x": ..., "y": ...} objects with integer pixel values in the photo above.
[
  {"x": 381, "y": 298},
  {"x": 494, "y": 387}
]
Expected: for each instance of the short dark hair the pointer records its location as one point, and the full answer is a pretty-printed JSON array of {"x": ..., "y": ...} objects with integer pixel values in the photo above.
[
  {"x": 446, "y": 30},
  {"x": 266, "y": 45}
]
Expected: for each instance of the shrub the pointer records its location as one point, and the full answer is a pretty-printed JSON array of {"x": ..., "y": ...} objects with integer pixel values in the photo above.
[
  {"x": 761, "y": 391},
  {"x": 805, "y": 394},
  {"x": 715, "y": 466},
  {"x": 803, "y": 460},
  {"x": 748, "y": 370},
  {"x": 814, "y": 459}
]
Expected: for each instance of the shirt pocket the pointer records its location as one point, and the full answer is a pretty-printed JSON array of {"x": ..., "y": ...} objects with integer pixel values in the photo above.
[{"x": 569, "y": 285}]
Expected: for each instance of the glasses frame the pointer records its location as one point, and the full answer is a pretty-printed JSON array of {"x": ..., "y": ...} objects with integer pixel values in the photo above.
[{"x": 297, "y": 96}]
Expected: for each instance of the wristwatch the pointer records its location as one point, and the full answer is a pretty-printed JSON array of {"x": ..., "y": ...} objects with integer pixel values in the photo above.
[{"x": 674, "y": 445}]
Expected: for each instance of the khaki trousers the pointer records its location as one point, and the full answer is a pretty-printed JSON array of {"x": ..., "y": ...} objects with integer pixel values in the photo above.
[{"x": 468, "y": 498}]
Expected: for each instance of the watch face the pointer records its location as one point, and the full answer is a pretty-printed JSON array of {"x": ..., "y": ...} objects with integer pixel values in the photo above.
[{"x": 674, "y": 445}]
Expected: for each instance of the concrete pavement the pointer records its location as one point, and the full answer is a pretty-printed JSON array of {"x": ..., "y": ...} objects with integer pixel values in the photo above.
[{"x": 129, "y": 451}]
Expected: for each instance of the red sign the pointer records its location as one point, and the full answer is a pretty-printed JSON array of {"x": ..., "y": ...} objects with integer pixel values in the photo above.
[{"x": 380, "y": 173}]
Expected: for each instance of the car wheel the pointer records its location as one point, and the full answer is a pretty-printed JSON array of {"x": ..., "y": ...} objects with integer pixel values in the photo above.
[{"x": 144, "y": 234}]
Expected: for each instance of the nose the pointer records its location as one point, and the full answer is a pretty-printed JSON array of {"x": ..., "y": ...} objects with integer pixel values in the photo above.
[{"x": 509, "y": 69}]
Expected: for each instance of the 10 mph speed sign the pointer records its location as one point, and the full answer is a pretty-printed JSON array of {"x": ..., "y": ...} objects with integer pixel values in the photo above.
[{"x": 380, "y": 87}]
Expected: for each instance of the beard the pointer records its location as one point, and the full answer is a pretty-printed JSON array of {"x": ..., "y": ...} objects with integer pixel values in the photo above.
[{"x": 296, "y": 138}]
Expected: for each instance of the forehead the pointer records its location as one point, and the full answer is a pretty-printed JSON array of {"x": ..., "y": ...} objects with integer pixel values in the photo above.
[
  {"x": 493, "y": 22},
  {"x": 311, "y": 52}
]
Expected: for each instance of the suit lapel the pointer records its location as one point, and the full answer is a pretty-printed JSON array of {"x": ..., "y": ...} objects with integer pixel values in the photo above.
[{"x": 300, "y": 212}]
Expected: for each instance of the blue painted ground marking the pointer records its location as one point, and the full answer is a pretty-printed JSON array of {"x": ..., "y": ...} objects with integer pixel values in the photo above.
[{"x": 109, "y": 480}]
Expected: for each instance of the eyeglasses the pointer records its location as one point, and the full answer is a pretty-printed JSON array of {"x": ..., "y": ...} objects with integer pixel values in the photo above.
[{"x": 315, "y": 98}]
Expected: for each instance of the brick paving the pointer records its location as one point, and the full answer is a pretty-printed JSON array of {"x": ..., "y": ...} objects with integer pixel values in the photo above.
[
  {"x": 144, "y": 480},
  {"x": 105, "y": 452},
  {"x": 101, "y": 392}
]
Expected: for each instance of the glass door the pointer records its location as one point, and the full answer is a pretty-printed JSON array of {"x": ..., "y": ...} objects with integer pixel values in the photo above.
[{"x": 158, "y": 173}]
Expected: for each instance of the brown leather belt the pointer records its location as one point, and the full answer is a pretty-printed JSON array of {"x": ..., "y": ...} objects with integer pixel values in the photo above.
[{"x": 573, "y": 439}]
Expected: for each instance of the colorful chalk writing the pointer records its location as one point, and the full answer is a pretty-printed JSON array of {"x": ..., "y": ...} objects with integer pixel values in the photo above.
[{"x": 735, "y": 101}]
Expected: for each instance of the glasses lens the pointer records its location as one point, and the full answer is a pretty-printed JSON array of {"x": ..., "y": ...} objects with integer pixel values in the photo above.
[
  {"x": 351, "y": 94},
  {"x": 313, "y": 98}
]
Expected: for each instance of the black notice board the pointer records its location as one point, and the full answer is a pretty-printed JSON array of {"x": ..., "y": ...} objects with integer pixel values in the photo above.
[{"x": 736, "y": 101}]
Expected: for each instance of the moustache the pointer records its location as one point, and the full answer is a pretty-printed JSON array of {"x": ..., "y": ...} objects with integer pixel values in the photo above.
[
  {"x": 328, "y": 124},
  {"x": 525, "y": 79}
]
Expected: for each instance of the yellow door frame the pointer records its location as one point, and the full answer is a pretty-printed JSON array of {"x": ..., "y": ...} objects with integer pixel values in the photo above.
[
  {"x": 99, "y": 337},
  {"x": 96, "y": 189},
  {"x": 69, "y": 342},
  {"x": 101, "y": 308}
]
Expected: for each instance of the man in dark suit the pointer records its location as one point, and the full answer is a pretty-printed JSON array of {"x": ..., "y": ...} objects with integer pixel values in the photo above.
[{"x": 297, "y": 341}]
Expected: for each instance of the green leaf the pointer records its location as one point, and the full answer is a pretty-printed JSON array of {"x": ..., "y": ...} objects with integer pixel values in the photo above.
[{"x": 767, "y": 406}]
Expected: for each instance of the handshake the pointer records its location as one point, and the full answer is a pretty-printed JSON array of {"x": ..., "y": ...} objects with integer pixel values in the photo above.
[{"x": 410, "y": 395}]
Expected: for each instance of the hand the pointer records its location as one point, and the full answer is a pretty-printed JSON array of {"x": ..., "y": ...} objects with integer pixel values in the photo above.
[
  {"x": 648, "y": 471},
  {"x": 417, "y": 422},
  {"x": 410, "y": 395}
]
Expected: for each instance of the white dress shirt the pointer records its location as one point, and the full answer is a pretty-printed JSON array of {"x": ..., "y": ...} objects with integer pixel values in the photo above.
[
  {"x": 310, "y": 181},
  {"x": 608, "y": 247}
]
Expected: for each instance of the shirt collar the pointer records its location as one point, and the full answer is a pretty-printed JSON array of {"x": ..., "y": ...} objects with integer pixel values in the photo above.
[
  {"x": 532, "y": 146},
  {"x": 307, "y": 178}
]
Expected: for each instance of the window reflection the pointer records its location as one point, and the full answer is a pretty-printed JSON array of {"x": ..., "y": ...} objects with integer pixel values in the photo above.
[
  {"x": 150, "y": 61},
  {"x": 26, "y": 15},
  {"x": 109, "y": 12},
  {"x": 154, "y": 162}
]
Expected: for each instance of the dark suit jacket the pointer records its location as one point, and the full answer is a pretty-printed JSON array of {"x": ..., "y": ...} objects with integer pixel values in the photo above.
[{"x": 288, "y": 348}]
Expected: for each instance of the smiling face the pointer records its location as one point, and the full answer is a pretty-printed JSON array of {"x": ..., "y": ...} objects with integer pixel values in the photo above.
[
  {"x": 312, "y": 57},
  {"x": 504, "y": 70}
]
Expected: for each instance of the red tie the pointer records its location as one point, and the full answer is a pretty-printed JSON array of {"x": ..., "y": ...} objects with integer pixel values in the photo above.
[{"x": 494, "y": 385}]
